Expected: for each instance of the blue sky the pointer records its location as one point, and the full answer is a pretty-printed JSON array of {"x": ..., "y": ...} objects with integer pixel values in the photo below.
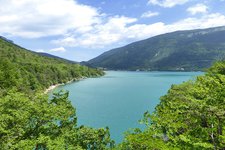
[{"x": 82, "y": 29}]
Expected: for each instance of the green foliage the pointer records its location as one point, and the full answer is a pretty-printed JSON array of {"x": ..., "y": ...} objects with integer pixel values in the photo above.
[
  {"x": 28, "y": 118},
  {"x": 39, "y": 123},
  {"x": 190, "y": 116},
  {"x": 29, "y": 71},
  {"x": 189, "y": 50}
]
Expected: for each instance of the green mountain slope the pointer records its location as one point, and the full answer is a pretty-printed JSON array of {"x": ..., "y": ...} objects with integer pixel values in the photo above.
[
  {"x": 30, "y": 119},
  {"x": 188, "y": 50},
  {"x": 30, "y": 71}
]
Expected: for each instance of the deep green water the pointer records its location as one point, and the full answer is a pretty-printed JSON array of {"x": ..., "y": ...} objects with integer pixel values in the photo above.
[{"x": 119, "y": 99}]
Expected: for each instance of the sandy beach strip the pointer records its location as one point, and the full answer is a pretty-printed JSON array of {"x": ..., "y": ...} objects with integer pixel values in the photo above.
[{"x": 51, "y": 88}]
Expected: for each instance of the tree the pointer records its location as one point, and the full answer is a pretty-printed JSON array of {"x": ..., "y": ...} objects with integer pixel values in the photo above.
[
  {"x": 190, "y": 116},
  {"x": 39, "y": 123}
]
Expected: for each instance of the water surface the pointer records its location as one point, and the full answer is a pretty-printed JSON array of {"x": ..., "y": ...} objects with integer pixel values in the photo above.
[{"x": 119, "y": 99}]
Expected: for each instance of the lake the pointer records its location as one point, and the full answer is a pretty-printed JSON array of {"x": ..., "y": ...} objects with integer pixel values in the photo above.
[{"x": 119, "y": 99}]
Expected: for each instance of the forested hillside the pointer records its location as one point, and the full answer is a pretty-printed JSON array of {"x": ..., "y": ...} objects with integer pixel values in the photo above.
[
  {"x": 181, "y": 50},
  {"x": 29, "y": 71},
  {"x": 29, "y": 119},
  {"x": 191, "y": 116}
]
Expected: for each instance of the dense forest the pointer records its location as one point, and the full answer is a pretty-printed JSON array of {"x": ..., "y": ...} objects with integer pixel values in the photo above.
[
  {"x": 181, "y": 50},
  {"x": 34, "y": 122},
  {"x": 28, "y": 118},
  {"x": 29, "y": 71},
  {"x": 191, "y": 116}
]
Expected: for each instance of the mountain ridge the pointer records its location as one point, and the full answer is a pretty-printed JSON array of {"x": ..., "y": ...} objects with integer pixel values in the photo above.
[
  {"x": 57, "y": 57},
  {"x": 188, "y": 50}
]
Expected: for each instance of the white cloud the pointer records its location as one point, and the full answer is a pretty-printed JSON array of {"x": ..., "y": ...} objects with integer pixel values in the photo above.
[
  {"x": 149, "y": 14},
  {"x": 40, "y": 50},
  {"x": 113, "y": 30},
  {"x": 80, "y": 25},
  {"x": 39, "y": 18},
  {"x": 198, "y": 8},
  {"x": 206, "y": 21},
  {"x": 58, "y": 49},
  {"x": 167, "y": 3},
  {"x": 123, "y": 29}
]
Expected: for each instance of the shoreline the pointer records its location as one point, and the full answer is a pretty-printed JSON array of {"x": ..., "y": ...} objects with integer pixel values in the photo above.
[{"x": 52, "y": 87}]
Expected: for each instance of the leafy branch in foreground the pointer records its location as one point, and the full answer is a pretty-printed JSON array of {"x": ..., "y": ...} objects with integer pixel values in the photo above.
[{"x": 39, "y": 123}]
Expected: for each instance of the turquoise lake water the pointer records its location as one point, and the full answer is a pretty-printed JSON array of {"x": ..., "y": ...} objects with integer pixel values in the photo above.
[{"x": 119, "y": 99}]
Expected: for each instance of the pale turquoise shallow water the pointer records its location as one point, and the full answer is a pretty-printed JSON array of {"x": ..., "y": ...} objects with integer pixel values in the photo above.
[{"x": 119, "y": 99}]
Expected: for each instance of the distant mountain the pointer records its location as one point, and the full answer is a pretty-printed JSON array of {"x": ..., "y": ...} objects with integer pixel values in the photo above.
[{"x": 180, "y": 50}]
